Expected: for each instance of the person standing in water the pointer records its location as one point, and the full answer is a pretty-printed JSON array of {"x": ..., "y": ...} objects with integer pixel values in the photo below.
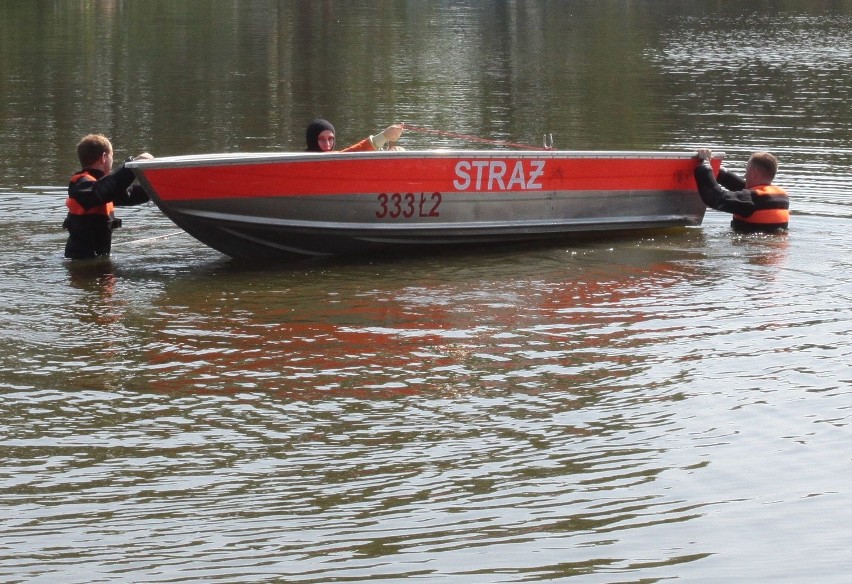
[
  {"x": 757, "y": 204},
  {"x": 93, "y": 193},
  {"x": 320, "y": 137}
]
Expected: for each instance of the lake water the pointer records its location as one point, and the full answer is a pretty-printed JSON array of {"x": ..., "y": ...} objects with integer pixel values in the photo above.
[{"x": 661, "y": 407}]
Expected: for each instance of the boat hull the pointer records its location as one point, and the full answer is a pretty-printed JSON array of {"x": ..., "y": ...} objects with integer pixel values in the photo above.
[{"x": 306, "y": 205}]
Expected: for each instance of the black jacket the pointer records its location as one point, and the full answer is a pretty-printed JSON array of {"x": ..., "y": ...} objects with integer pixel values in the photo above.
[
  {"x": 90, "y": 235},
  {"x": 727, "y": 192}
]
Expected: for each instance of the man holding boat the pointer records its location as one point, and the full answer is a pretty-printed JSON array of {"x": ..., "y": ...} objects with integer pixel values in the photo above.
[
  {"x": 757, "y": 204},
  {"x": 93, "y": 193}
]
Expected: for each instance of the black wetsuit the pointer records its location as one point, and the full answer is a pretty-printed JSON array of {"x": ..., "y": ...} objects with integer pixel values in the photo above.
[
  {"x": 90, "y": 220},
  {"x": 763, "y": 208}
]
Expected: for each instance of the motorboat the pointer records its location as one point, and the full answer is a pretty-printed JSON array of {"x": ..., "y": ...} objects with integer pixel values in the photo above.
[{"x": 295, "y": 205}]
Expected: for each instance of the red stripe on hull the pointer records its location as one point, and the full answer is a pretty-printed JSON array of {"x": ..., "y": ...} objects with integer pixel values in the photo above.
[{"x": 351, "y": 175}]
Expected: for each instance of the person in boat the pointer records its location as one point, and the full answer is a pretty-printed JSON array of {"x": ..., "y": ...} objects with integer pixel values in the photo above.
[
  {"x": 756, "y": 204},
  {"x": 320, "y": 138},
  {"x": 93, "y": 193}
]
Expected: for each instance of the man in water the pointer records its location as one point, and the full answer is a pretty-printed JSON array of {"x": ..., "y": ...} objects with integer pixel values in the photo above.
[
  {"x": 320, "y": 138},
  {"x": 93, "y": 193},
  {"x": 757, "y": 205}
]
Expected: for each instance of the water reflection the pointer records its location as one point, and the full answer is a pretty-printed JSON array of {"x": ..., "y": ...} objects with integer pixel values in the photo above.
[
  {"x": 428, "y": 326},
  {"x": 97, "y": 279}
]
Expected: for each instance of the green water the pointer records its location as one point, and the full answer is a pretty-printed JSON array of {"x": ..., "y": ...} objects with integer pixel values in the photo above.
[{"x": 634, "y": 409}]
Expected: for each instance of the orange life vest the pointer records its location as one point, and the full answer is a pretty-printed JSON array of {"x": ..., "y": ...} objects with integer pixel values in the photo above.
[
  {"x": 76, "y": 208},
  {"x": 772, "y": 204}
]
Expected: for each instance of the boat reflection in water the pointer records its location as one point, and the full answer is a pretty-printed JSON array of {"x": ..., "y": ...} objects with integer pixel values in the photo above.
[
  {"x": 586, "y": 323},
  {"x": 295, "y": 205}
]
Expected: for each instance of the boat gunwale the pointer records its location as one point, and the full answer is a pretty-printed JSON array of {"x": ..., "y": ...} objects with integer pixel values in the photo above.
[{"x": 250, "y": 158}]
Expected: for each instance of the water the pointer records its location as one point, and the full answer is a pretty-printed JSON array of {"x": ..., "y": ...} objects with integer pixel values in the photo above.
[{"x": 670, "y": 406}]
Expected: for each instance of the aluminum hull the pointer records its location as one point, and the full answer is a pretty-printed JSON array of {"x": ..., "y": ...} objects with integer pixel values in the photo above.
[{"x": 293, "y": 205}]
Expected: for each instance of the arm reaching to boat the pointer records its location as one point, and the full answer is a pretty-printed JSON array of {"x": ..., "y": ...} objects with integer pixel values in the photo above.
[
  {"x": 389, "y": 135},
  {"x": 320, "y": 137},
  {"x": 376, "y": 142},
  {"x": 755, "y": 203},
  {"x": 93, "y": 192},
  {"x": 135, "y": 194}
]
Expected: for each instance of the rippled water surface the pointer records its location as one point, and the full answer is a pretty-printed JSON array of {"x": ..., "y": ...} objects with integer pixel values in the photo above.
[{"x": 664, "y": 406}]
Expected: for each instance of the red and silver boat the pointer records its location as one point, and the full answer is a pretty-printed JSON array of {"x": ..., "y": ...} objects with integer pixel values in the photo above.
[{"x": 289, "y": 205}]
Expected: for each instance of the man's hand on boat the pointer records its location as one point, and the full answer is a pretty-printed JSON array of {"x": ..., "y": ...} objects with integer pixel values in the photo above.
[
  {"x": 704, "y": 154},
  {"x": 143, "y": 156}
]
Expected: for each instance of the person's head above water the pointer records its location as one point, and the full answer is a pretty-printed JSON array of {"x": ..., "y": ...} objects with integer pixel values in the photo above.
[
  {"x": 320, "y": 136},
  {"x": 760, "y": 169}
]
